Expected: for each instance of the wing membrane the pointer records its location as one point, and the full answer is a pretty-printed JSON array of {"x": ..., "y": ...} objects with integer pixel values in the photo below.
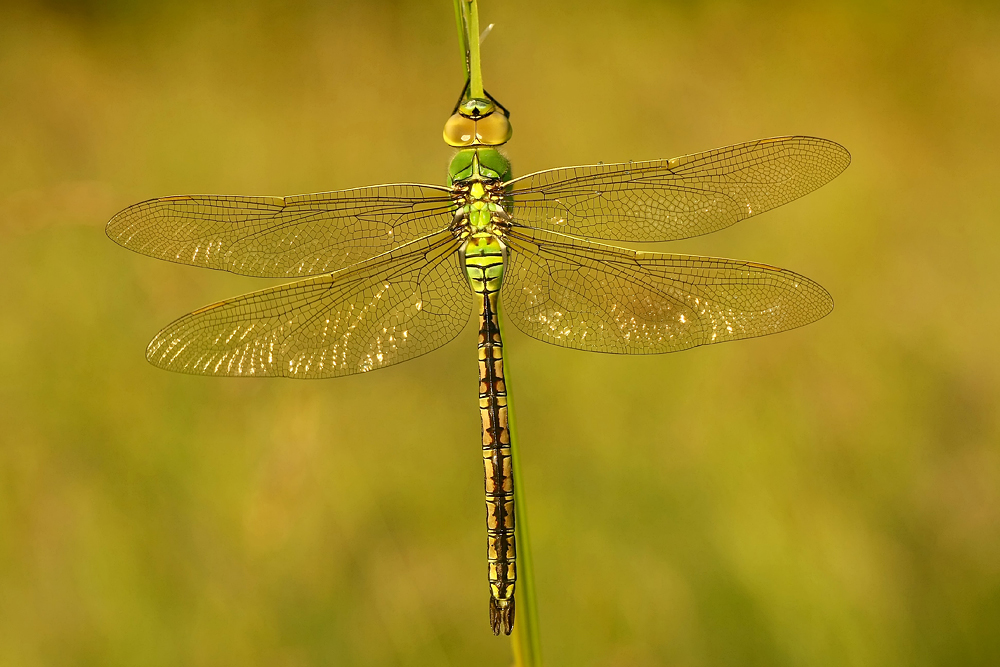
[
  {"x": 664, "y": 200},
  {"x": 383, "y": 311},
  {"x": 282, "y": 236},
  {"x": 594, "y": 297}
]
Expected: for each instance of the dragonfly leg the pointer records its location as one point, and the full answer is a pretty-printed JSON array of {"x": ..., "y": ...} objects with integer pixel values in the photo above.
[
  {"x": 461, "y": 96},
  {"x": 494, "y": 100}
]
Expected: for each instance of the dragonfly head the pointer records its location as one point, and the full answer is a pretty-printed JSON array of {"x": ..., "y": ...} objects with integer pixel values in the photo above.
[
  {"x": 477, "y": 122},
  {"x": 477, "y": 107}
]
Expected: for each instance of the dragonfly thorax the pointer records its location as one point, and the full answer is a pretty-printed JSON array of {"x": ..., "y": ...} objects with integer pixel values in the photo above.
[
  {"x": 480, "y": 209},
  {"x": 477, "y": 179},
  {"x": 478, "y": 164}
]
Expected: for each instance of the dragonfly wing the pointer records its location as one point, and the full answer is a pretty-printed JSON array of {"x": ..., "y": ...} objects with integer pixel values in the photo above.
[
  {"x": 282, "y": 236},
  {"x": 664, "y": 200},
  {"x": 388, "y": 309},
  {"x": 594, "y": 297}
]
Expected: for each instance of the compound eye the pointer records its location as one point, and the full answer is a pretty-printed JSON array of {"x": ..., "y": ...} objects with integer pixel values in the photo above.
[
  {"x": 459, "y": 131},
  {"x": 493, "y": 130}
]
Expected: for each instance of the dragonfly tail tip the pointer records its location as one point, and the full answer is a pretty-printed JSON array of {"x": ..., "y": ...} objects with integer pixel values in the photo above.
[{"x": 502, "y": 615}]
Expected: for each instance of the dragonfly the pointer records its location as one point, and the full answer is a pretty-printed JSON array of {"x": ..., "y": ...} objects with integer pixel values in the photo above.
[{"x": 387, "y": 273}]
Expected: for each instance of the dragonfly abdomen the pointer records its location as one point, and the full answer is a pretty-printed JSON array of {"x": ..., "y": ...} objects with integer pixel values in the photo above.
[{"x": 484, "y": 258}]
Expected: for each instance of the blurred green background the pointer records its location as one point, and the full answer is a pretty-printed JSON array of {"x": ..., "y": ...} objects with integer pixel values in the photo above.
[{"x": 828, "y": 496}]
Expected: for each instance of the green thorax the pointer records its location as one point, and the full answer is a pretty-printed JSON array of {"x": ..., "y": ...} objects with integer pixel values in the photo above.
[
  {"x": 480, "y": 172},
  {"x": 480, "y": 163}
]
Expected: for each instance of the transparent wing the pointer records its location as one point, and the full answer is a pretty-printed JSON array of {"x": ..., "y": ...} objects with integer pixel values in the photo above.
[
  {"x": 282, "y": 236},
  {"x": 664, "y": 200},
  {"x": 383, "y": 311},
  {"x": 594, "y": 297}
]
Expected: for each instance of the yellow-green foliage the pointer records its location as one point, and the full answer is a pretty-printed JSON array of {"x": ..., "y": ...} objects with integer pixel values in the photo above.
[{"x": 828, "y": 496}]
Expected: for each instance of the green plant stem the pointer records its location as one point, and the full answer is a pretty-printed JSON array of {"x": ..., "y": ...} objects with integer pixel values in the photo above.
[
  {"x": 525, "y": 639},
  {"x": 467, "y": 19},
  {"x": 475, "y": 68},
  {"x": 463, "y": 42}
]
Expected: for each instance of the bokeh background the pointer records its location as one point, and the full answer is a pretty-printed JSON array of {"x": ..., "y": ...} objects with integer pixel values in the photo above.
[{"x": 828, "y": 496}]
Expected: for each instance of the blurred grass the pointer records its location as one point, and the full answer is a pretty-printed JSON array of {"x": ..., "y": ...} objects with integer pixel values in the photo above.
[{"x": 830, "y": 496}]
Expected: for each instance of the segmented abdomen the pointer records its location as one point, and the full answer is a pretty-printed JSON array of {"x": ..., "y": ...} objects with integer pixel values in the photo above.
[{"x": 484, "y": 265}]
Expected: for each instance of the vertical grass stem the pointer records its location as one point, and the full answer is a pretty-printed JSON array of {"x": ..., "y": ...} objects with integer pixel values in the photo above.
[
  {"x": 526, "y": 639},
  {"x": 463, "y": 42},
  {"x": 467, "y": 19}
]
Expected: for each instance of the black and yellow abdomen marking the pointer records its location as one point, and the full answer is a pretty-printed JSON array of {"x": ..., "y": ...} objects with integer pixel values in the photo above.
[{"x": 484, "y": 266}]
